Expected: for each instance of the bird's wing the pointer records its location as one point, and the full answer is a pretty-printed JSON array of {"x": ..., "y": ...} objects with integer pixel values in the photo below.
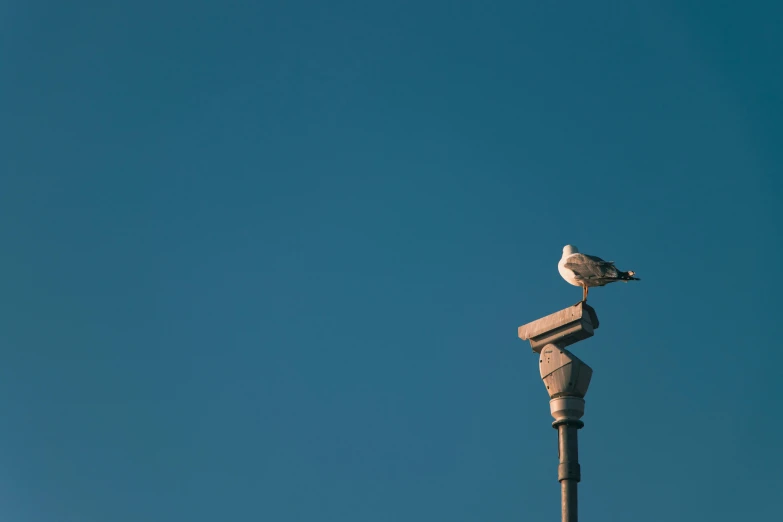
[
  {"x": 590, "y": 267},
  {"x": 597, "y": 259}
]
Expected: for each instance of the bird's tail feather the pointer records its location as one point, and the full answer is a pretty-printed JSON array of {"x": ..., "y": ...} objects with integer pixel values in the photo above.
[{"x": 628, "y": 276}]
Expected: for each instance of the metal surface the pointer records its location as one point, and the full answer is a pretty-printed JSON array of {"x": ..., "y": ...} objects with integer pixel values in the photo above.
[
  {"x": 569, "y": 501},
  {"x": 567, "y": 409},
  {"x": 563, "y": 373},
  {"x": 563, "y": 328},
  {"x": 568, "y": 471},
  {"x": 566, "y": 378}
]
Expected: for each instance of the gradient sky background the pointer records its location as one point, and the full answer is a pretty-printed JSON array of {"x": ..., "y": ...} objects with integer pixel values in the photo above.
[{"x": 266, "y": 260}]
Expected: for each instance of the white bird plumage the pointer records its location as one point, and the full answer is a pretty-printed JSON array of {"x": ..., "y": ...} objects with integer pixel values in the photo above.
[{"x": 588, "y": 271}]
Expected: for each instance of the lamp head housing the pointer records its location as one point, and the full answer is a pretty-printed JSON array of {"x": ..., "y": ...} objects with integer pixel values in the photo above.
[{"x": 563, "y": 373}]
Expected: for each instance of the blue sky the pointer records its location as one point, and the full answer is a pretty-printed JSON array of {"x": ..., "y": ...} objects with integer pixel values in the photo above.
[{"x": 266, "y": 260}]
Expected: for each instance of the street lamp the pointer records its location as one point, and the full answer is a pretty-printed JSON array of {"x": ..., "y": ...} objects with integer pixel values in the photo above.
[{"x": 566, "y": 379}]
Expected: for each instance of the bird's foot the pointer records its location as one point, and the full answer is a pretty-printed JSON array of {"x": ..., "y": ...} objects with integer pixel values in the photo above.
[{"x": 584, "y": 301}]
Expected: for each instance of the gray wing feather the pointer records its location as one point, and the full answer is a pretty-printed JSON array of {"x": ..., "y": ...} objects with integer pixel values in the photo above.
[{"x": 591, "y": 267}]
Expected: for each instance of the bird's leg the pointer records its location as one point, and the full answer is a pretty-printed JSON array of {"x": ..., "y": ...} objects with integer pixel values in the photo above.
[{"x": 584, "y": 299}]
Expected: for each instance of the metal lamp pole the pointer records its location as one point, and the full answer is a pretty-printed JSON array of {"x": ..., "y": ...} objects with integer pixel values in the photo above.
[{"x": 566, "y": 379}]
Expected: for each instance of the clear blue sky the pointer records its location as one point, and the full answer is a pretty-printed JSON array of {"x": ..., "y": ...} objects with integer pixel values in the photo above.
[{"x": 266, "y": 260}]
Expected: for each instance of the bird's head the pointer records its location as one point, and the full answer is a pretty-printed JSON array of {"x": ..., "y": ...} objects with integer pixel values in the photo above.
[{"x": 570, "y": 249}]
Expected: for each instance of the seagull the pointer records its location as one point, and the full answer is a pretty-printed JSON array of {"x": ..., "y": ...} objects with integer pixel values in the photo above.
[{"x": 586, "y": 271}]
